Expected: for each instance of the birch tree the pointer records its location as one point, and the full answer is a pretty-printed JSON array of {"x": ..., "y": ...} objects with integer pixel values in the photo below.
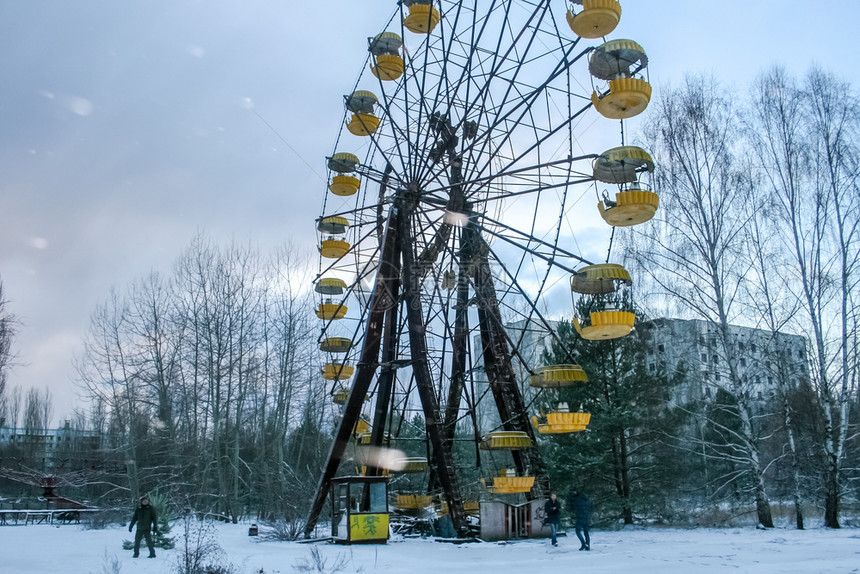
[
  {"x": 106, "y": 371},
  {"x": 693, "y": 253},
  {"x": 806, "y": 140}
]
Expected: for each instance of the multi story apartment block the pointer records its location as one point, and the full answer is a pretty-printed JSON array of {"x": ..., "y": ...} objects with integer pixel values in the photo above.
[
  {"x": 763, "y": 360},
  {"x": 65, "y": 448}
]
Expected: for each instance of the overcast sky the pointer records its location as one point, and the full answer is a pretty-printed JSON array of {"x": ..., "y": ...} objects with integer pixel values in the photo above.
[{"x": 127, "y": 127}]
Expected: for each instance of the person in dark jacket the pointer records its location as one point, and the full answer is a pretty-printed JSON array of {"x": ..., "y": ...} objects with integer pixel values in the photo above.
[
  {"x": 147, "y": 522},
  {"x": 552, "y": 510},
  {"x": 580, "y": 504}
]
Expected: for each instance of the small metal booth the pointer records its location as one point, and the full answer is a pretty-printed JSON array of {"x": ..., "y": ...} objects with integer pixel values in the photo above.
[{"x": 359, "y": 509}]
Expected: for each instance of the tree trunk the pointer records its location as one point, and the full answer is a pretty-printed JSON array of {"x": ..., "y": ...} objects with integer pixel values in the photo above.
[
  {"x": 831, "y": 494},
  {"x": 762, "y": 504},
  {"x": 626, "y": 508},
  {"x": 795, "y": 464}
]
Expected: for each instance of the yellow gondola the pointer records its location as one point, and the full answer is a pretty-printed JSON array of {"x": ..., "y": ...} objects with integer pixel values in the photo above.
[
  {"x": 597, "y": 18},
  {"x": 555, "y": 376},
  {"x": 334, "y": 225},
  {"x": 361, "y": 103},
  {"x": 606, "y": 325},
  {"x": 363, "y": 124},
  {"x": 340, "y": 396},
  {"x": 361, "y": 427},
  {"x": 364, "y": 439},
  {"x": 343, "y": 162},
  {"x": 335, "y": 345},
  {"x": 344, "y": 185},
  {"x": 559, "y": 422},
  {"x": 387, "y": 63},
  {"x": 388, "y": 67},
  {"x": 331, "y": 311},
  {"x": 617, "y": 62},
  {"x": 506, "y": 440},
  {"x": 334, "y": 248},
  {"x": 622, "y": 164},
  {"x": 422, "y": 17},
  {"x": 599, "y": 279},
  {"x": 336, "y": 371},
  {"x": 509, "y": 483},
  {"x": 631, "y": 206},
  {"x": 472, "y": 507},
  {"x": 331, "y": 247},
  {"x": 604, "y": 286},
  {"x": 330, "y": 286}
]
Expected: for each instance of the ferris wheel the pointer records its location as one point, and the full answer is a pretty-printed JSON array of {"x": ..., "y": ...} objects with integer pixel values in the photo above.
[{"x": 448, "y": 221}]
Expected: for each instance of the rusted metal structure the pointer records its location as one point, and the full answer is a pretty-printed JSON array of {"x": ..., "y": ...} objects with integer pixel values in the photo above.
[{"x": 446, "y": 223}]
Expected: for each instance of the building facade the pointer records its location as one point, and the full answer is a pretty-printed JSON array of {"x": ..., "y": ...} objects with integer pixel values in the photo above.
[
  {"x": 63, "y": 448},
  {"x": 693, "y": 349}
]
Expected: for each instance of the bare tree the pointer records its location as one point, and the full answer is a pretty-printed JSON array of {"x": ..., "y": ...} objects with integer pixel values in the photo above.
[
  {"x": 768, "y": 300},
  {"x": 202, "y": 375},
  {"x": 7, "y": 334},
  {"x": 288, "y": 332},
  {"x": 38, "y": 409},
  {"x": 106, "y": 371},
  {"x": 694, "y": 254},
  {"x": 14, "y": 400},
  {"x": 806, "y": 139},
  {"x": 157, "y": 344}
]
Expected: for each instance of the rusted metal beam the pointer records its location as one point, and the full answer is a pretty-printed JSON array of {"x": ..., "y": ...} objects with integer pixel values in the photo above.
[
  {"x": 381, "y": 301},
  {"x": 498, "y": 365},
  {"x": 442, "y": 459}
]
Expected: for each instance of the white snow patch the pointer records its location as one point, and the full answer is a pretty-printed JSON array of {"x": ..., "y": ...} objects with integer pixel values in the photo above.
[{"x": 644, "y": 551}]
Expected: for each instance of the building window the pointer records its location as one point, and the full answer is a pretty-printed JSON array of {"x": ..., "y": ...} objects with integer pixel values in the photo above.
[
  {"x": 716, "y": 376},
  {"x": 704, "y": 358},
  {"x": 743, "y": 362},
  {"x": 661, "y": 348},
  {"x": 752, "y": 348},
  {"x": 716, "y": 360}
]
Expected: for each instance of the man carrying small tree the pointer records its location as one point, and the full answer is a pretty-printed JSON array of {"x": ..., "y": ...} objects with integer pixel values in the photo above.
[{"x": 147, "y": 522}]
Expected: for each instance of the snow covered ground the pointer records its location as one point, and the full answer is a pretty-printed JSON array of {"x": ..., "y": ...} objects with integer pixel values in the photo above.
[{"x": 72, "y": 549}]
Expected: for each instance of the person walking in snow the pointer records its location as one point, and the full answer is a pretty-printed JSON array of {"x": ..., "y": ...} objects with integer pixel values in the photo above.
[
  {"x": 552, "y": 510},
  {"x": 146, "y": 522},
  {"x": 580, "y": 504}
]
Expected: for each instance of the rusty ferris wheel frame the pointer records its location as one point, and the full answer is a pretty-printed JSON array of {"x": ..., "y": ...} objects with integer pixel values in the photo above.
[{"x": 484, "y": 116}]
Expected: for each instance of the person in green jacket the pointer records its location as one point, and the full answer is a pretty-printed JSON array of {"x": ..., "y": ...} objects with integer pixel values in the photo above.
[{"x": 146, "y": 521}]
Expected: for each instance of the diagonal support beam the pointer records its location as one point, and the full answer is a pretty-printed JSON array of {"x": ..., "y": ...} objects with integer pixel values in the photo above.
[
  {"x": 442, "y": 459},
  {"x": 380, "y": 302},
  {"x": 497, "y": 359}
]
